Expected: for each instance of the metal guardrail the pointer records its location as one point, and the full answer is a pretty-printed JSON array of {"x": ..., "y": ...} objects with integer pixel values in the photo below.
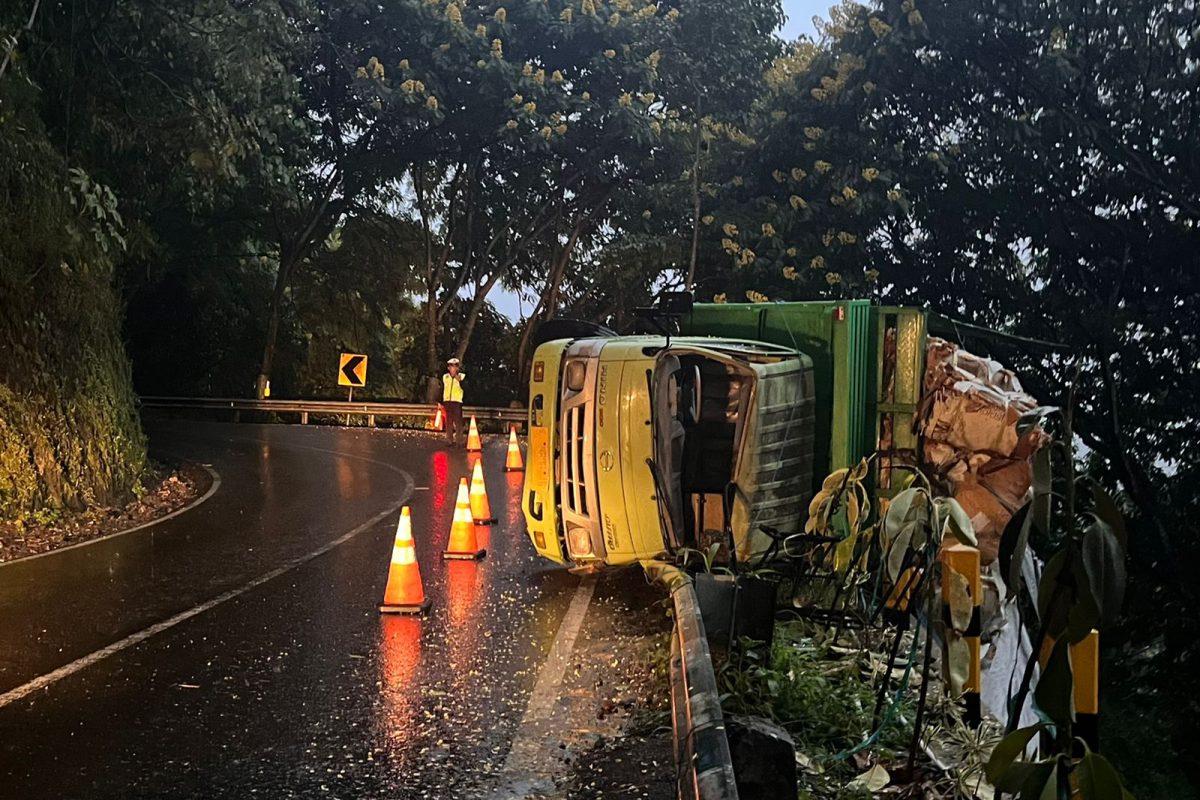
[
  {"x": 331, "y": 407},
  {"x": 703, "y": 764}
]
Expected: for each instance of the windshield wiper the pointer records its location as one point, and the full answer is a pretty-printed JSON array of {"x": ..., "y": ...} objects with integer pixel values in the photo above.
[{"x": 664, "y": 516}]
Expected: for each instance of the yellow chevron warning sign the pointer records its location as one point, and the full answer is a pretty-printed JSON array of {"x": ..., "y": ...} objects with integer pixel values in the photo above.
[{"x": 352, "y": 370}]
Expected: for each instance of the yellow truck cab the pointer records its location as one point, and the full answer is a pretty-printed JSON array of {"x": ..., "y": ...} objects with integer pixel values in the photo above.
[{"x": 639, "y": 444}]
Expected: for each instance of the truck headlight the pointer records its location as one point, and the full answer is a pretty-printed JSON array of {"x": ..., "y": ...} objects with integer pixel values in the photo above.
[
  {"x": 576, "y": 375},
  {"x": 579, "y": 542}
]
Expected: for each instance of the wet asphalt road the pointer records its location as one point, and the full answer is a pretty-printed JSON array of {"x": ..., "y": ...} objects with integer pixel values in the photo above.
[{"x": 296, "y": 686}]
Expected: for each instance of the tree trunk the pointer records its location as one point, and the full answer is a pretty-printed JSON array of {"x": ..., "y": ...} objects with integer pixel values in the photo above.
[
  {"x": 691, "y": 275},
  {"x": 547, "y": 305},
  {"x": 268, "y": 356}
]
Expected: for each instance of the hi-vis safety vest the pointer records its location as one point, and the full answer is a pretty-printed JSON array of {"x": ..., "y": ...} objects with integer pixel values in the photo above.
[{"x": 452, "y": 389}]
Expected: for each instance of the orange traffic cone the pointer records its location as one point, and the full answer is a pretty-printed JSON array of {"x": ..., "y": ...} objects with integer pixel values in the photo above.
[
  {"x": 438, "y": 423},
  {"x": 404, "y": 593},
  {"x": 463, "y": 543},
  {"x": 513, "y": 462},
  {"x": 481, "y": 510},
  {"x": 473, "y": 443}
]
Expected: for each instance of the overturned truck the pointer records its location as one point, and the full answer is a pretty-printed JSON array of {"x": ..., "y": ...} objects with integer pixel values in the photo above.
[{"x": 640, "y": 445}]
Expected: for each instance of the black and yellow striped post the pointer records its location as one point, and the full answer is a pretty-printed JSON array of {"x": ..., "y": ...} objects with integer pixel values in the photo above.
[
  {"x": 1085, "y": 691},
  {"x": 964, "y": 560}
]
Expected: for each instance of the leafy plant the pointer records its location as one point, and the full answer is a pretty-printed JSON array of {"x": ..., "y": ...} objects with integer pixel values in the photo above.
[{"x": 1081, "y": 589}]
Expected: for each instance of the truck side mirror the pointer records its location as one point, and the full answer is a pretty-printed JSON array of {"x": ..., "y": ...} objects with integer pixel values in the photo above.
[{"x": 675, "y": 303}]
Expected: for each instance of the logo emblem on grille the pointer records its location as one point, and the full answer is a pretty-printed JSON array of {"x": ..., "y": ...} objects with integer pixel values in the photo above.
[{"x": 606, "y": 460}]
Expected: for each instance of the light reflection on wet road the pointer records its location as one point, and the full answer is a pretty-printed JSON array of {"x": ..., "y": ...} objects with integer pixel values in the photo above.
[{"x": 297, "y": 687}]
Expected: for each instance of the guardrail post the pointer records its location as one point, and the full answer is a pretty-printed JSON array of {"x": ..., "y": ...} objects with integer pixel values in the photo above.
[
  {"x": 370, "y": 420},
  {"x": 303, "y": 417}
]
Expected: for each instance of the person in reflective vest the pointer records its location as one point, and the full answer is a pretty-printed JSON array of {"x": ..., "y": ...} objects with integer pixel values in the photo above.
[{"x": 452, "y": 395}]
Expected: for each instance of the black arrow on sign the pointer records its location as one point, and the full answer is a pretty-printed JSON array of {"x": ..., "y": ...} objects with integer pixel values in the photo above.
[{"x": 349, "y": 369}]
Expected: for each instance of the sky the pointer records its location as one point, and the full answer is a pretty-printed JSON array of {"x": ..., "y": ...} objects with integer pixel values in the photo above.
[{"x": 799, "y": 21}]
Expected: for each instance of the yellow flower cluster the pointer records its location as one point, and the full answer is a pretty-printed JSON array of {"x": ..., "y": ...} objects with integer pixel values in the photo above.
[
  {"x": 871, "y": 275},
  {"x": 497, "y": 47},
  {"x": 586, "y": 96},
  {"x": 403, "y": 63},
  {"x": 546, "y": 132},
  {"x": 454, "y": 14},
  {"x": 375, "y": 68},
  {"x": 791, "y": 251},
  {"x": 656, "y": 127},
  {"x": 810, "y": 146},
  {"x": 730, "y": 229},
  {"x": 720, "y": 298},
  {"x": 778, "y": 176},
  {"x": 527, "y": 70},
  {"x": 745, "y": 258},
  {"x": 768, "y": 229},
  {"x": 818, "y": 94},
  {"x": 610, "y": 53},
  {"x": 833, "y": 278},
  {"x": 730, "y": 245},
  {"x": 814, "y": 133},
  {"x": 790, "y": 273},
  {"x": 870, "y": 173},
  {"x": 646, "y": 97},
  {"x": 614, "y": 19},
  {"x": 411, "y": 86},
  {"x": 561, "y": 130},
  {"x": 539, "y": 77},
  {"x": 849, "y": 193},
  {"x": 625, "y": 100},
  {"x": 822, "y": 167},
  {"x": 845, "y": 237},
  {"x": 879, "y": 27},
  {"x": 907, "y": 6},
  {"x": 797, "y": 202},
  {"x": 647, "y": 11},
  {"x": 779, "y": 116},
  {"x": 837, "y": 200},
  {"x": 869, "y": 87},
  {"x": 431, "y": 103},
  {"x": 818, "y": 262},
  {"x": 915, "y": 19},
  {"x": 530, "y": 107},
  {"x": 798, "y": 174},
  {"x": 827, "y": 237},
  {"x": 588, "y": 7},
  {"x": 567, "y": 15},
  {"x": 556, "y": 76},
  {"x": 481, "y": 31},
  {"x": 444, "y": 47},
  {"x": 673, "y": 14},
  {"x": 893, "y": 195},
  {"x": 738, "y": 180},
  {"x": 625, "y": 5},
  {"x": 501, "y": 15},
  {"x": 653, "y": 59},
  {"x": 646, "y": 214},
  {"x": 518, "y": 99},
  {"x": 756, "y": 297},
  {"x": 361, "y": 72},
  {"x": 708, "y": 219},
  {"x": 511, "y": 124}
]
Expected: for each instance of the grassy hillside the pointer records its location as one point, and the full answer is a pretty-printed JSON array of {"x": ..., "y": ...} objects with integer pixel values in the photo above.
[{"x": 69, "y": 434}]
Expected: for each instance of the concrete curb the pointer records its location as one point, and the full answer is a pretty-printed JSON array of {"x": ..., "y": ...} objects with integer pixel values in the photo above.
[{"x": 703, "y": 765}]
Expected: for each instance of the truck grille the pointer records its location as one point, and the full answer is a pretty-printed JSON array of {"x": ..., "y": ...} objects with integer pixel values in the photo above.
[{"x": 577, "y": 475}]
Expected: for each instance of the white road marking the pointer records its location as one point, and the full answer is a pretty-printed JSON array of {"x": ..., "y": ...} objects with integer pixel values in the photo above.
[
  {"x": 531, "y": 761},
  {"x": 42, "y": 681},
  {"x": 216, "y": 484}
]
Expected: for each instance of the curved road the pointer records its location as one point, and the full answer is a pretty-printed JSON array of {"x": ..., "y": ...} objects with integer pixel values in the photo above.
[{"x": 236, "y": 650}]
